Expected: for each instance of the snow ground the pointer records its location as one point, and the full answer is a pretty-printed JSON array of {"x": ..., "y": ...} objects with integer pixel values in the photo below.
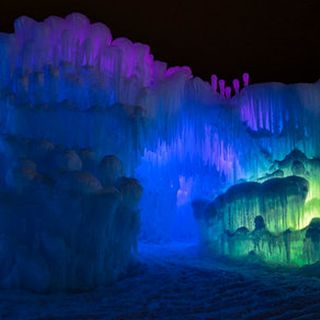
[{"x": 180, "y": 282}]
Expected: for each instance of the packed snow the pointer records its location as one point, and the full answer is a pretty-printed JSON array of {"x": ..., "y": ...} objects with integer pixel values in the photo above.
[{"x": 181, "y": 282}]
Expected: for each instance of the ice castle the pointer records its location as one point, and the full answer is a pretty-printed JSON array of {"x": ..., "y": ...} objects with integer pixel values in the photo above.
[{"x": 102, "y": 144}]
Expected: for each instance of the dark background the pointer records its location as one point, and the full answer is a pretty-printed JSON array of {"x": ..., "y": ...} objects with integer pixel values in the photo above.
[{"x": 272, "y": 40}]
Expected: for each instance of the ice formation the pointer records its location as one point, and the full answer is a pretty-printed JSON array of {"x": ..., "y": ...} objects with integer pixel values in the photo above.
[
  {"x": 67, "y": 222},
  {"x": 276, "y": 217},
  {"x": 70, "y": 94}
]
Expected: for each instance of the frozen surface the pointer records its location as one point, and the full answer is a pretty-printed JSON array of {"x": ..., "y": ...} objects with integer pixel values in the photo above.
[
  {"x": 69, "y": 81},
  {"x": 275, "y": 217},
  {"x": 69, "y": 221},
  {"x": 179, "y": 282}
]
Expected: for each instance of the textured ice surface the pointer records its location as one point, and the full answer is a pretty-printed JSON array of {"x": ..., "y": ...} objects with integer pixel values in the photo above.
[
  {"x": 276, "y": 218},
  {"x": 67, "y": 222},
  {"x": 68, "y": 81}
]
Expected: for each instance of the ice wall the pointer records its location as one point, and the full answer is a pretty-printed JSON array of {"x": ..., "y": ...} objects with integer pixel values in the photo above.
[
  {"x": 68, "y": 220},
  {"x": 276, "y": 218},
  {"x": 67, "y": 80}
]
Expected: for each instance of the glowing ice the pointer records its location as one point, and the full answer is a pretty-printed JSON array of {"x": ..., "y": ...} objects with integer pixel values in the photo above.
[{"x": 71, "y": 94}]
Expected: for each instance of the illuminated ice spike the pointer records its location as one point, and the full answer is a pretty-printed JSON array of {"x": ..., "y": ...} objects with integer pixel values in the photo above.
[
  {"x": 214, "y": 82},
  {"x": 245, "y": 78},
  {"x": 236, "y": 85},
  {"x": 228, "y": 92},
  {"x": 222, "y": 84}
]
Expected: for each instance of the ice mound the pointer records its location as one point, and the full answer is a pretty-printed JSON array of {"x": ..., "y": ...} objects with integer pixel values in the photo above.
[
  {"x": 61, "y": 228},
  {"x": 277, "y": 219}
]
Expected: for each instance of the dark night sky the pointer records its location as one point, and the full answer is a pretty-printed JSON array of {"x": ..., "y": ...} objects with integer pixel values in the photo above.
[{"x": 273, "y": 40}]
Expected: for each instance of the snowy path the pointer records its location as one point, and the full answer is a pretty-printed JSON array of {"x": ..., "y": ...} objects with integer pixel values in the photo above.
[{"x": 178, "y": 283}]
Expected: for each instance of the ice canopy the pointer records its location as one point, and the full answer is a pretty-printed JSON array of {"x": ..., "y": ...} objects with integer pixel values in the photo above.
[{"x": 69, "y": 82}]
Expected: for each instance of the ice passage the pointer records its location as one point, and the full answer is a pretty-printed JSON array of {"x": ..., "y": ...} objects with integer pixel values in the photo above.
[{"x": 88, "y": 121}]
